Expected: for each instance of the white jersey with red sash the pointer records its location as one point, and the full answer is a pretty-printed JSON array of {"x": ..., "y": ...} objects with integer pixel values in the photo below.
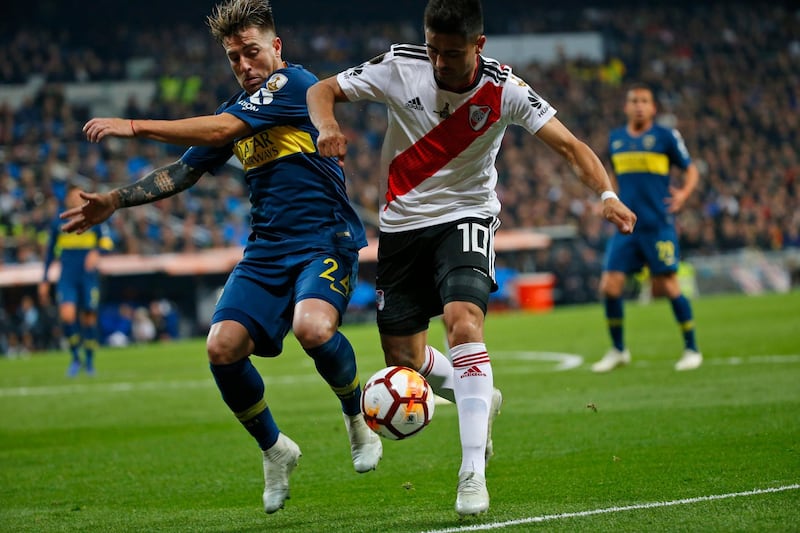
[{"x": 440, "y": 146}]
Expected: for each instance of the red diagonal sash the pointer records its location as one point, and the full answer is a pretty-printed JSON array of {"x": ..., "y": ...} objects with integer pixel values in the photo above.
[{"x": 449, "y": 138}]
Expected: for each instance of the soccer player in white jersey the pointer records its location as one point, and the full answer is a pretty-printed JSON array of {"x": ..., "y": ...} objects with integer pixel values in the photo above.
[{"x": 448, "y": 109}]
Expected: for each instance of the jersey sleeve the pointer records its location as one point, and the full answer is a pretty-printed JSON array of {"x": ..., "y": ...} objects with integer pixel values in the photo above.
[
  {"x": 208, "y": 158},
  {"x": 524, "y": 107},
  {"x": 369, "y": 80},
  {"x": 677, "y": 152}
]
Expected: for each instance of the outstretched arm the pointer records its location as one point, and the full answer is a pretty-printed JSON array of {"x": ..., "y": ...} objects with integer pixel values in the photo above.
[
  {"x": 158, "y": 184},
  {"x": 321, "y": 98},
  {"x": 209, "y": 130},
  {"x": 589, "y": 169}
]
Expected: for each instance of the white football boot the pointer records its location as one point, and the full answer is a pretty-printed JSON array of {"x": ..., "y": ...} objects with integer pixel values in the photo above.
[
  {"x": 494, "y": 410},
  {"x": 611, "y": 360},
  {"x": 365, "y": 445},
  {"x": 689, "y": 360},
  {"x": 471, "y": 497},
  {"x": 279, "y": 461}
]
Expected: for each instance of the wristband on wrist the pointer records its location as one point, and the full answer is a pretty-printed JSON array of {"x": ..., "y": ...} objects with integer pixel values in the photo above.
[
  {"x": 133, "y": 129},
  {"x": 608, "y": 194}
]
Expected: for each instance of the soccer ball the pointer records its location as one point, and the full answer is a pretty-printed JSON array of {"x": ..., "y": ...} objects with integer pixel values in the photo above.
[{"x": 397, "y": 402}]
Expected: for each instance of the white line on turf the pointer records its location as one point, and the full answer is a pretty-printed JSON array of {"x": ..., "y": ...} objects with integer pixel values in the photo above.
[
  {"x": 607, "y": 510},
  {"x": 562, "y": 361},
  {"x": 139, "y": 386},
  {"x": 755, "y": 359}
]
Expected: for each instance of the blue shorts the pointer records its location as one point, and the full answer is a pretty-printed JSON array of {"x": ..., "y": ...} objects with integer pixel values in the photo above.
[
  {"x": 83, "y": 291},
  {"x": 658, "y": 249},
  {"x": 263, "y": 289}
]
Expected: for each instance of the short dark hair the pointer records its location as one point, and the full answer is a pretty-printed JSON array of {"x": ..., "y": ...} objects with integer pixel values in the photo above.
[
  {"x": 455, "y": 17},
  {"x": 233, "y": 16},
  {"x": 641, "y": 86},
  {"x": 638, "y": 85}
]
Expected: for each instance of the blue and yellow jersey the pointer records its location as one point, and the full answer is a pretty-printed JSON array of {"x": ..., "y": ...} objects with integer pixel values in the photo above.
[
  {"x": 72, "y": 249},
  {"x": 642, "y": 166},
  {"x": 299, "y": 199}
]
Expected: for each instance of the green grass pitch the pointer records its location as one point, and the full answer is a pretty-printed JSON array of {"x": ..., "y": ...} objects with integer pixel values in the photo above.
[{"x": 148, "y": 445}]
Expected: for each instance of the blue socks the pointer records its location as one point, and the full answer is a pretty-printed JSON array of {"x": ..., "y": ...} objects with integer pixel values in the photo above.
[
  {"x": 680, "y": 307},
  {"x": 243, "y": 391},
  {"x": 336, "y": 363},
  {"x": 72, "y": 333},
  {"x": 89, "y": 334},
  {"x": 242, "y": 388},
  {"x": 683, "y": 314},
  {"x": 614, "y": 317}
]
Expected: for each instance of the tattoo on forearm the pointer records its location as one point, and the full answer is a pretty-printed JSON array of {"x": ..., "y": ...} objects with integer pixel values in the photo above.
[{"x": 160, "y": 183}]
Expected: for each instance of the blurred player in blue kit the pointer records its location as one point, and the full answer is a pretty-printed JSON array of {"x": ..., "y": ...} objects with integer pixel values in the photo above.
[
  {"x": 78, "y": 288},
  {"x": 642, "y": 153},
  {"x": 301, "y": 259}
]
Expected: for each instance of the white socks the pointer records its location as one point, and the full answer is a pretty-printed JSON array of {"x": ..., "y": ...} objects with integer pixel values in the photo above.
[
  {"x": 473, "y": 384},
  {"x": 439, "y": 373}
]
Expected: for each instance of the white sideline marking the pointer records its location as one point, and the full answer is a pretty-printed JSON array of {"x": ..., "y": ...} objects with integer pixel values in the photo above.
[
  {"x": 771, "y": 359},
  {"x": 139, "y": 386},
  {"x": 563, "y": 361},
  {"x": 607, "y": 510}
]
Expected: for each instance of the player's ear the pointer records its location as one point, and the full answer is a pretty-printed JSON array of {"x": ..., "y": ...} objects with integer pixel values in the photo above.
[
  {"x": 277, "y": 44},
  {"x": 480, "y": 43}
]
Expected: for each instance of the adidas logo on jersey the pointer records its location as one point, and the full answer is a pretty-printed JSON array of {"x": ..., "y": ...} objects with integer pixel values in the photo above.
[
  {"x": 415, "y": 104},
  {"x": 473, "y": 372}
]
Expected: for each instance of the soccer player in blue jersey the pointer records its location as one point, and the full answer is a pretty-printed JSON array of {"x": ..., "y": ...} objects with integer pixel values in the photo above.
[
  {"x": 642, "y": 154},
  {"x": 301, "y": 259},
  {"x": 78, "y": 288}
]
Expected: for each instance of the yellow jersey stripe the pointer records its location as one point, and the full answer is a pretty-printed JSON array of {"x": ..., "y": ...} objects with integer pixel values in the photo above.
[
  {"x": 73, "y": 241},
  {"x": 271, "y": 145},
  {"x": 640, "y": 162}
]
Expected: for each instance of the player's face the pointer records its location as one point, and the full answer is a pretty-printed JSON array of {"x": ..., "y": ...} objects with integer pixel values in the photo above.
[
  {"x": 454, "y": 58},
  {"x": 640, "y": 107},
  {"x": 254, "y": 55}
]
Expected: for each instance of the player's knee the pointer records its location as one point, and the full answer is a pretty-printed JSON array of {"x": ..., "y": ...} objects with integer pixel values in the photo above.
[
  {"x": 68, "y": 314},
  {"x": 315, "y": 321},
  {"x": 88, "y": 319},
  {"x": 314, "y": 331},
  {"x": 224, "y": 348},
  {"x": 612, "y": 286},
  {"x": 463, "y": 331},
  {"x": 220, "y": 352},
  {"x": 666, "y": 285}
]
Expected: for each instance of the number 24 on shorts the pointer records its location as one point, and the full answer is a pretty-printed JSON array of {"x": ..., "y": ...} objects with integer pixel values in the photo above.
[{"x": 343, "y": 287}]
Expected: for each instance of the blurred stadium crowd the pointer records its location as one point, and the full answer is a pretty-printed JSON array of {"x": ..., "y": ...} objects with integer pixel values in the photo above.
[{"x": 726, "y": 75}]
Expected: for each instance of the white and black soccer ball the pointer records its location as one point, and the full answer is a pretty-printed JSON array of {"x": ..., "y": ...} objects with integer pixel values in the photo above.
[{"x": 397, "y": 402}]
